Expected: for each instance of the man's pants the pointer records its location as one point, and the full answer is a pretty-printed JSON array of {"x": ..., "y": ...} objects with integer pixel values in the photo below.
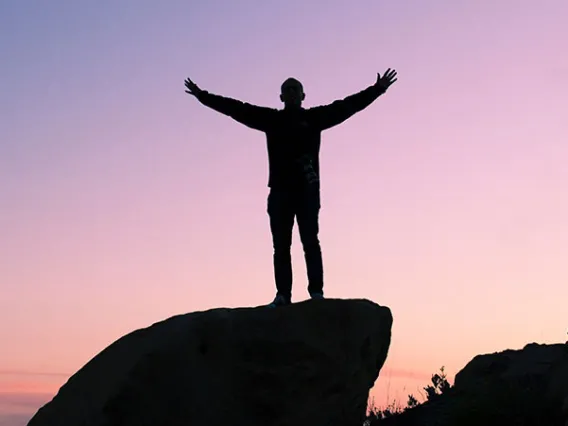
[{"x": 283, "y": 206}]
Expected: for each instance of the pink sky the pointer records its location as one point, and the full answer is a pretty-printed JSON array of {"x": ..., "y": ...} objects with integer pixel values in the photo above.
[{"x": 124, "y": 201}]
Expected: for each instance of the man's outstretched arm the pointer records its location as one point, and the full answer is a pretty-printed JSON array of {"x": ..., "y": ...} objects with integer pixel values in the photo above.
[
  {"x": 255, "y": 117},
  {"x": 337, "y": 112}
]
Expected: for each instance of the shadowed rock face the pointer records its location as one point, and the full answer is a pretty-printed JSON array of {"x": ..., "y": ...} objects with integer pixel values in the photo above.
[
  {"x": 527, "y": 387},
  {"x": 537, "y": 371},
  {"x": 308, "y": 363}
]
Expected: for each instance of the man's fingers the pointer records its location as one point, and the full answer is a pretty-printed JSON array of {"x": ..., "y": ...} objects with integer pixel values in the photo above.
[{"x": 388, "y": 75}]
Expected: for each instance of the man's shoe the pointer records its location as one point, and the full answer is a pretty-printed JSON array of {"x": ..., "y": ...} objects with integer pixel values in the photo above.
[
  {"x": 316, "y": 295},
  {"x": 279, "y": 300}
]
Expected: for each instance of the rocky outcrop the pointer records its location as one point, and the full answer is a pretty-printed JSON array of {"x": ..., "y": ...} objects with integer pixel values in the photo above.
[
  {"x": 310, "y": 363},
  {"x": 527, "y": 387},
  {"x": 536, "y": 376}
]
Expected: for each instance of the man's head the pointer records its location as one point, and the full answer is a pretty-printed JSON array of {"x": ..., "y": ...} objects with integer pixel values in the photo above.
[{"x": 292, "y": 93}]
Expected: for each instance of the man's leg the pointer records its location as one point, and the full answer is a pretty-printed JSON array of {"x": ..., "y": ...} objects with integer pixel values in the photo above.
[
  {"x": 308, "y": 224},
  {"x": 281, "y": 212}
]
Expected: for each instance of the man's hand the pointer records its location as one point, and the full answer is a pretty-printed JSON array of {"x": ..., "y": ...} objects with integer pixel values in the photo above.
[
  {"x": 192, "y": 88},
  {"x": 388, "y": 78}
]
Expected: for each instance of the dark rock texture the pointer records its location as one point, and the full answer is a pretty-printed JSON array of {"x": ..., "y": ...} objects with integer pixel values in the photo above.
[
  {"x": 526, "y": 387},
  {"x": 310, "y": 363}
]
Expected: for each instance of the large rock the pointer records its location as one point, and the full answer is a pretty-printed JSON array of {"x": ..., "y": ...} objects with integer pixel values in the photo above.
[
  {"x": 311, "y": 363},
  {"x": 527, "y": 387}
]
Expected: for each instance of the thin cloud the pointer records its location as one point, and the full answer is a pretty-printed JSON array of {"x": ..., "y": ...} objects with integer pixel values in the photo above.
[
  {"x": 33, "y": 373},
  {"x": 16, "y": 401},
  {"x": 390, "y": 372},
  {"x": 404, "y": 374}
]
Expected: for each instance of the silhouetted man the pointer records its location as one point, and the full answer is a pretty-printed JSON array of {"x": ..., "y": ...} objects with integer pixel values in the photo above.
[{"x": 293, "y": 137}]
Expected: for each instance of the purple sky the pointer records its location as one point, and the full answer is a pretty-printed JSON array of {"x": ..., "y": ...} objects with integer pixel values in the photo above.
[{"x": 124, "y": 201}]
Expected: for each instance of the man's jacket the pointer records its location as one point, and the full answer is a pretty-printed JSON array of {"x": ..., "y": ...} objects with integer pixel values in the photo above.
[{"x": 291, "y": 134}]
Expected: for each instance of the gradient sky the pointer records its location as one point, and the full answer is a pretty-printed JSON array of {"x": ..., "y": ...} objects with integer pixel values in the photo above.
[{"x": 123, "y": 201}]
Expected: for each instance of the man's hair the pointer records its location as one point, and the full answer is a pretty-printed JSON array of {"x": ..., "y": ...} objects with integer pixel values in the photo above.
[{"x": 292, "y": 80}]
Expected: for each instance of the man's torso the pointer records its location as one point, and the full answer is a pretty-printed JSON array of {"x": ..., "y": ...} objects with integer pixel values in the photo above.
[{"x": 292, "y": 141}]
